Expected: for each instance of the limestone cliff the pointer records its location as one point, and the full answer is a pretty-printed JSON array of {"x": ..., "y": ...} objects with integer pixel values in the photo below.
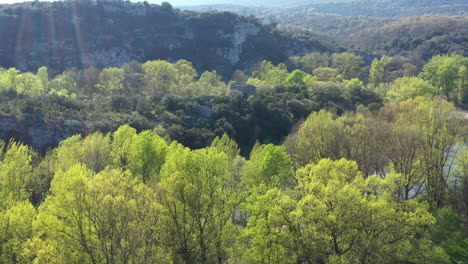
[{"x": 85, "y": 33}]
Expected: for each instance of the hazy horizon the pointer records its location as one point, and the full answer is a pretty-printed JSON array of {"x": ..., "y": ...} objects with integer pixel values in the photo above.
[{"x": 180, "y": 2}]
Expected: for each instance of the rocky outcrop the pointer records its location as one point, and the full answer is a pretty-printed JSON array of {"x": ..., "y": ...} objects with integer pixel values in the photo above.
[
  {"x": 66, "y": 34},
  {"x": 237, "y": 38},
  {"x": 40, "y": 136},
  {"x": 204, "y": 111},
  {"x": 244, "y": 88}
]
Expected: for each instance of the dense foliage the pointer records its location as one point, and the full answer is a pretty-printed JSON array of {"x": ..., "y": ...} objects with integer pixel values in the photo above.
[
  {"x": 234, "y": 142},
  {"x": 170, "y": 97},
  {"x": 186, "y": 107},
  {"x": 416, "y": 38},
  {"x": 374, "y": 185},
  {"x": 129, "y": 197},
  {"x": 413, "y": 37}
]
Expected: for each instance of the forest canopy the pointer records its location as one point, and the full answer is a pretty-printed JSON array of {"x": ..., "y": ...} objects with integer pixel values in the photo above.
[
  {"x": 133, "y": 132},
  {"x": 323, "y": 159},
  {"x": 359, "y": 188},
  {"x": 194, "y": 108}
]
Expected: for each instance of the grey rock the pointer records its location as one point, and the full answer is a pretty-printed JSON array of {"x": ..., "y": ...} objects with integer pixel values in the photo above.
[
  {"x": 244, "y": 88},
  {"x": 42, "y": 135},
  {"x": 204, "y": 111}
]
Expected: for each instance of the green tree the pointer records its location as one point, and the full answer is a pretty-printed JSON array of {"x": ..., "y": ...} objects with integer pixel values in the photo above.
[
  {"x": 62, "y": 218},
  {"x": 186, "y": 74},
  {"x": 376, "y": 74},
  {"x": 261, "y": 69},
  {"x": 29, "y": 84},
  {"x": 461, "y": 160},
  {"x": 268, "y": 74},
  {"x": 43, "y": 75},
  {"x": 111, "y": 79},
  {"x": 298, "y": 77},
  {"x": 210, "y": 84},
  {"x": 347, "y": 64},
  {"x": 314, "y": 60},
  {"x": 122, "y": 141},
  {"x": 364, "y": 143},
  {"x": 94, "y": 151},
  {"x": 8, "y": 79},
  {"x": 403, "y": 148},
  {"x": 269, "y": 166},
  {"x": 442, "y": 71},
  {"x": 266, "y": 233},
  {"x": 226, "y": 145},
  {"x": 199, "y": 199},
  {"x": 441, "y": 128},
  {"x": 448, "y": 233},
  {"x": 239, "y": 76},
  {"x": 16, "y": 229},
  {"x": 326, "y": 74},
  {"x": 109, "y": 217},
  {"x": 160, "y": 77},
  {"x": 388, "y": 65},
  {"x": 334, "y": 195},
  {"x": 319, "y": 137},
  {"x": 463, "y": 84},
  {"x": 353, "y": 87},
  {"x": 276, "y": 76},
  {"x": 409, "y": 87},
  {"x": 15, "y": 174},
  {"x": 65, "y": 85},
  {"x": 337, "y": 216},
  {"x": 90, "y": 80},
  {"x": 147, "y": 154}
]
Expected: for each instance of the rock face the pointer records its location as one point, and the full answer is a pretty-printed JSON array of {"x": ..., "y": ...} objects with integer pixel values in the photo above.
[
  {"x": 238, "y": 38},
  {"x": 244, "y": 88},
  {"x": 66, "y": 34},
  {"x": 40, "y": 136},
  {"x": 204, "y": 111}
]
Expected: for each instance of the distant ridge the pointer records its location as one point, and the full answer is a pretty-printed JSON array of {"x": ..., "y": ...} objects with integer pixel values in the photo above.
[
  {"x": 352, "y": 8},
  {"x": 62, "y": 35}
]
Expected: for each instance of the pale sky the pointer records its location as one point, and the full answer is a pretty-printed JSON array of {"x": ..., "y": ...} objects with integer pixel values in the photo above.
[{"x": 173, "y": 2}]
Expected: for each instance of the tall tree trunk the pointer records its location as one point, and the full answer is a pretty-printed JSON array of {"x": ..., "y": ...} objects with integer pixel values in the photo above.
[{"x": 465, "y": 205}]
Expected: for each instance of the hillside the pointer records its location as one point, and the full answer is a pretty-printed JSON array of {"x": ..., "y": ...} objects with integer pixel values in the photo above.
[
  {"x": 414, "y": 37},
  {"x": 418, "y": 38},
  {"x": 392, "y": 8},
  {"x": 258, "y": 3},
  {"x": 61, "y": 35},
  {"x": 350, "y": 8},
  {"x": 135, "y": 133}
]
